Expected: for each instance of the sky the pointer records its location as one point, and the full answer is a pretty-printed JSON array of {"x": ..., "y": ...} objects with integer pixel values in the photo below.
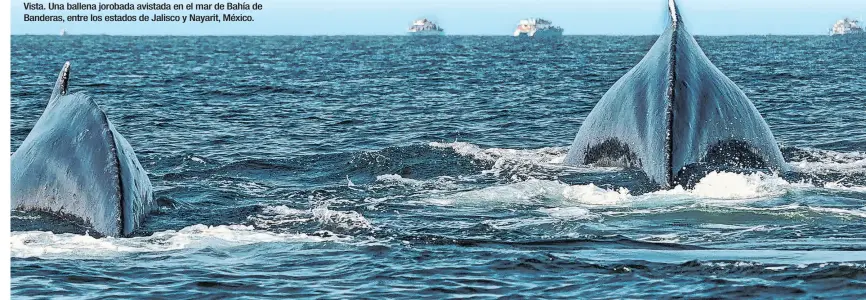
[{"x": 473, "y": 17}]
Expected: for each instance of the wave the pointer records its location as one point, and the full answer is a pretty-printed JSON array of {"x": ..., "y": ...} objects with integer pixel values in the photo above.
[
  {"x": 271, "y": 224},
  {"x": 569, "y": 213},
  {"x": 722, "y": 257},
  {"x": 245, "y": 90},
  {"x": 548, "y": 155},
  {"x": 273, "y": 217},
  {"x": 861, "y": 212},
  {"x": 803, "y": 160},
  {"x": 830, "y": 169},
  {"x": 415, "y": 161},
  {"x": 438, "y": 183},
  {"x": 48, "y": 245},
  {"x": 816, "y": 161},
  {"x": 534, "y": 191},
  {"x": 841, "y": 187},
  {"x": 462, "y": 160},
  {"x": 817, "y": 268},
  {"x": 519, "y": 164},
  {"x": 718, "y": 192},
  {"x": 736, "y": 186},
  {"x": 716, "y": 185}
]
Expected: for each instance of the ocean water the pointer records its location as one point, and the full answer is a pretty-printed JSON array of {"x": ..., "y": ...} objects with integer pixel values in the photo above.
[{"x": 398, "y": 167}]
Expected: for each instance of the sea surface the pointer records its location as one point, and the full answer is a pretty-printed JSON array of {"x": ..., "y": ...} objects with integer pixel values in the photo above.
[{"x": 400, "y": 167}]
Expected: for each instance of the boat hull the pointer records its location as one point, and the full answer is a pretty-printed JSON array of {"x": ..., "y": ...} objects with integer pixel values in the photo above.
[
  {"x": 539, "y": 33},
  {"x": 848, "y": 33},
  {"x": 426, "y": 33}
]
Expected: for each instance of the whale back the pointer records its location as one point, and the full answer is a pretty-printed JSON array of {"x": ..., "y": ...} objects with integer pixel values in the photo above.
[
  {"x": 672, "y": 110},
  {"x": 74, "y": 163}
]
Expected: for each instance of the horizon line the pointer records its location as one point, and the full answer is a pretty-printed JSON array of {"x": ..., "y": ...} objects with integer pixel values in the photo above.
[{"x": 402, "y": 35}]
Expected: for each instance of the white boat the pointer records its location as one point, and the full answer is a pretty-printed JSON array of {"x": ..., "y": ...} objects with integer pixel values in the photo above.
[
  {"x": 424, "y": 27},
  {"x": 63, "y": 32},
  {"x": 537, "y": 27},
  {"x": 846, "y": 26}
]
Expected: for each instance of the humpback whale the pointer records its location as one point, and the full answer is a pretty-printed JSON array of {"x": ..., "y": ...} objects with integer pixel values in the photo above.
[
  {"x": 75, "y": 163},
  {"x": 673, "y": 111}
]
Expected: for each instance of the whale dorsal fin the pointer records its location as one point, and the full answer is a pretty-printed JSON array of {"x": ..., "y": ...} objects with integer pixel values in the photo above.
[{"x": 62, "y": 84}]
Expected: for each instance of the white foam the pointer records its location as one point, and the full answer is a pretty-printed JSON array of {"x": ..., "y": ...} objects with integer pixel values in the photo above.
[
  {"x": 394, "y": 178},
  {"x": 716, "y": 189},
  {"x": 569, "y": 213},
  {"x": 252, "y": 187},
  {"x": 832, "y": 161},
  {"x": 731, "y": 186},
  {"x": 841, "y": 187},
  {"x": 736, "y": 264},
  {"x": 724, "y": 185},
  {"x": 670, "y": 238},
  {"x": 853, "y": 265},
  {"x": 341, "y": 219},
  {"x": 861, "y": 213},
  {"x": 245, "y": 186},
  {"x": 526, "y": 162},
  {"x": 758, "y": 228},
  {"x": 723, "y": 226},
  {"x": 514, "y": 223},
  {"x": 437, "y": 185},
  {"x": 593, "y": 195},
  {"x": 273, "y": 216},
  {"x": 535, "y": 191},
  {"x": 282, "y": 210},
  {"x": 48, "y": 245},
  {"x": 542, "y": 155},
  {"x": 517, "y": 193}
]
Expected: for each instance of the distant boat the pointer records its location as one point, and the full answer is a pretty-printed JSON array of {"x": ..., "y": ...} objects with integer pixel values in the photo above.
[
  {"x": 537, "y": 27},
  {"x": 63, "y": 32},
  {"x": 424, "y": 27},
  {"x": 846, "y": 26}
]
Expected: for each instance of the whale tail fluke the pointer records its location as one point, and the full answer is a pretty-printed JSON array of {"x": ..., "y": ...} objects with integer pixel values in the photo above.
[{"x": 674, "y": 109}]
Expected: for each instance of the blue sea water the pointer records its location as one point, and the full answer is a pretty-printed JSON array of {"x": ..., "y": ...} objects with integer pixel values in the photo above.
[{"x": 398, "y": 167}]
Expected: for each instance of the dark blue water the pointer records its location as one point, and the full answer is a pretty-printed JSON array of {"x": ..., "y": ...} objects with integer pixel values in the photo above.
[{"x": 369, "y": 167}]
